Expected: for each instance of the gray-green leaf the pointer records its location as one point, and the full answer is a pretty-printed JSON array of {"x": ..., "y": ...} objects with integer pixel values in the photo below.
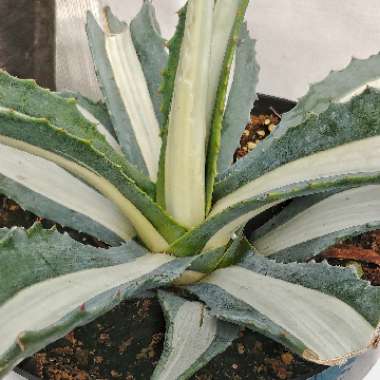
[
  {"x": 45, "y": 292},
  {"x": 310, "y": 308},
  {"x": 150, "y": 48},
  {"x": 240, "y": 100},
  {"x": 193, "y": 338},
  {"x": 310, "y": 225}
]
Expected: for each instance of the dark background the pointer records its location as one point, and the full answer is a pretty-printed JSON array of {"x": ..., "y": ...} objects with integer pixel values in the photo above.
[{"x": 27, "y": 43}]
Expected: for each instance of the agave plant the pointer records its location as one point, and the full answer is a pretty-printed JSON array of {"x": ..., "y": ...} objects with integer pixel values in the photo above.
[{"x": 150, "y": 173}]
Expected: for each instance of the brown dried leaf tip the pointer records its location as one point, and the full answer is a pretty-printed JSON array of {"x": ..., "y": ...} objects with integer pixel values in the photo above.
[{"x": 257, "y": 129}]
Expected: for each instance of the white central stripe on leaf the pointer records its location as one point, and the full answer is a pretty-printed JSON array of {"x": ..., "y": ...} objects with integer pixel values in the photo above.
[
  {"x": 186, "y": 143},
  {"x": 48, "y": 302},
  {"x": 349, "y": 208},
  {"x": 193, "y": 332},
  {"x": 146, "y": 231},
  {"x": 361, "y": 156},
  {"x": 51, "y": 181},
  {"x": 326, "y": 325},
  {"x": 135, "y": 95}
]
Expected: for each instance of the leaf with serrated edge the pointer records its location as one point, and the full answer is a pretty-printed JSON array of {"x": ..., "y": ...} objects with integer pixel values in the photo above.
[
  {"x": 134, "y": 92},
  {"x": 300, "y": 235},
  {"x": 26, "y": 97},
  {"x": 240, "y": 100},
  {"x": 146, "y": 231},
  {"x": 74, "y": 284},
  {"x": 169, "y": 74},
  {"x": 338, "y": 125},
  {"x": 47, "y": 190},
  {"x": 193, "y": 338},
  {"x": 150, "y": 48},
  {"x": 222, "y": 55},
  {"x": 310, "y": 308},
  {"x": 167, "y": 89},
  {"x": 338, "y": 86},
  {"x": 333, "y": 169},
  {"x": 224, "y": 20},
  {"x": 37, "y": 136},
  {"x": 92, "y": 111},
  {"x": 127, "y": 96},
  {"x": 101, "y": 128},
  {"x": 97, "y": 109},
  {"x": 186, "y": 141},
  {"x": 342, "y": 151}
]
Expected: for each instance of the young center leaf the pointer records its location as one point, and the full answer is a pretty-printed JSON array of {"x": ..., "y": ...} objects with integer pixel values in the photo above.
[
  {"x": 225, "y": 39},
  {"x": 167, "y": 90},
  {"x": 185, "y": 155},
  {"x": 224, "y": 23}
]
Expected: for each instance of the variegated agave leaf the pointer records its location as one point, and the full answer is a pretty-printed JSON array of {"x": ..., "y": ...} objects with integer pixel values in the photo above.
[
  {"x": 154, "y": 164},
  {"x": 338, "y": 86},
  {"x": 290, "y": 168},
  {"x": 98, "y": 109},
  {"x": 193, "y": 337},
  {"x": 39, "y": 137},
  {"x": 69, "y": 285},
  {"x": 234, "y": 31},
  {"x": 184, "y": 178},
  {"x": 167, "y": 90},
  {"x": 187, "y": 184},
  {"x": 26, "y": 97},
  {"x": 240, "y": 99},
  {"x": 125, "y": 87},
  {"x": 297, "y": 234},
  {"x": 23, "y": 177},
  {"x": 310, "y": 308}
]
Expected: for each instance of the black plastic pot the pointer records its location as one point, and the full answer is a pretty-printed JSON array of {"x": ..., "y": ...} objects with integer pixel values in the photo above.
[{"x": 267, "y": 104}]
